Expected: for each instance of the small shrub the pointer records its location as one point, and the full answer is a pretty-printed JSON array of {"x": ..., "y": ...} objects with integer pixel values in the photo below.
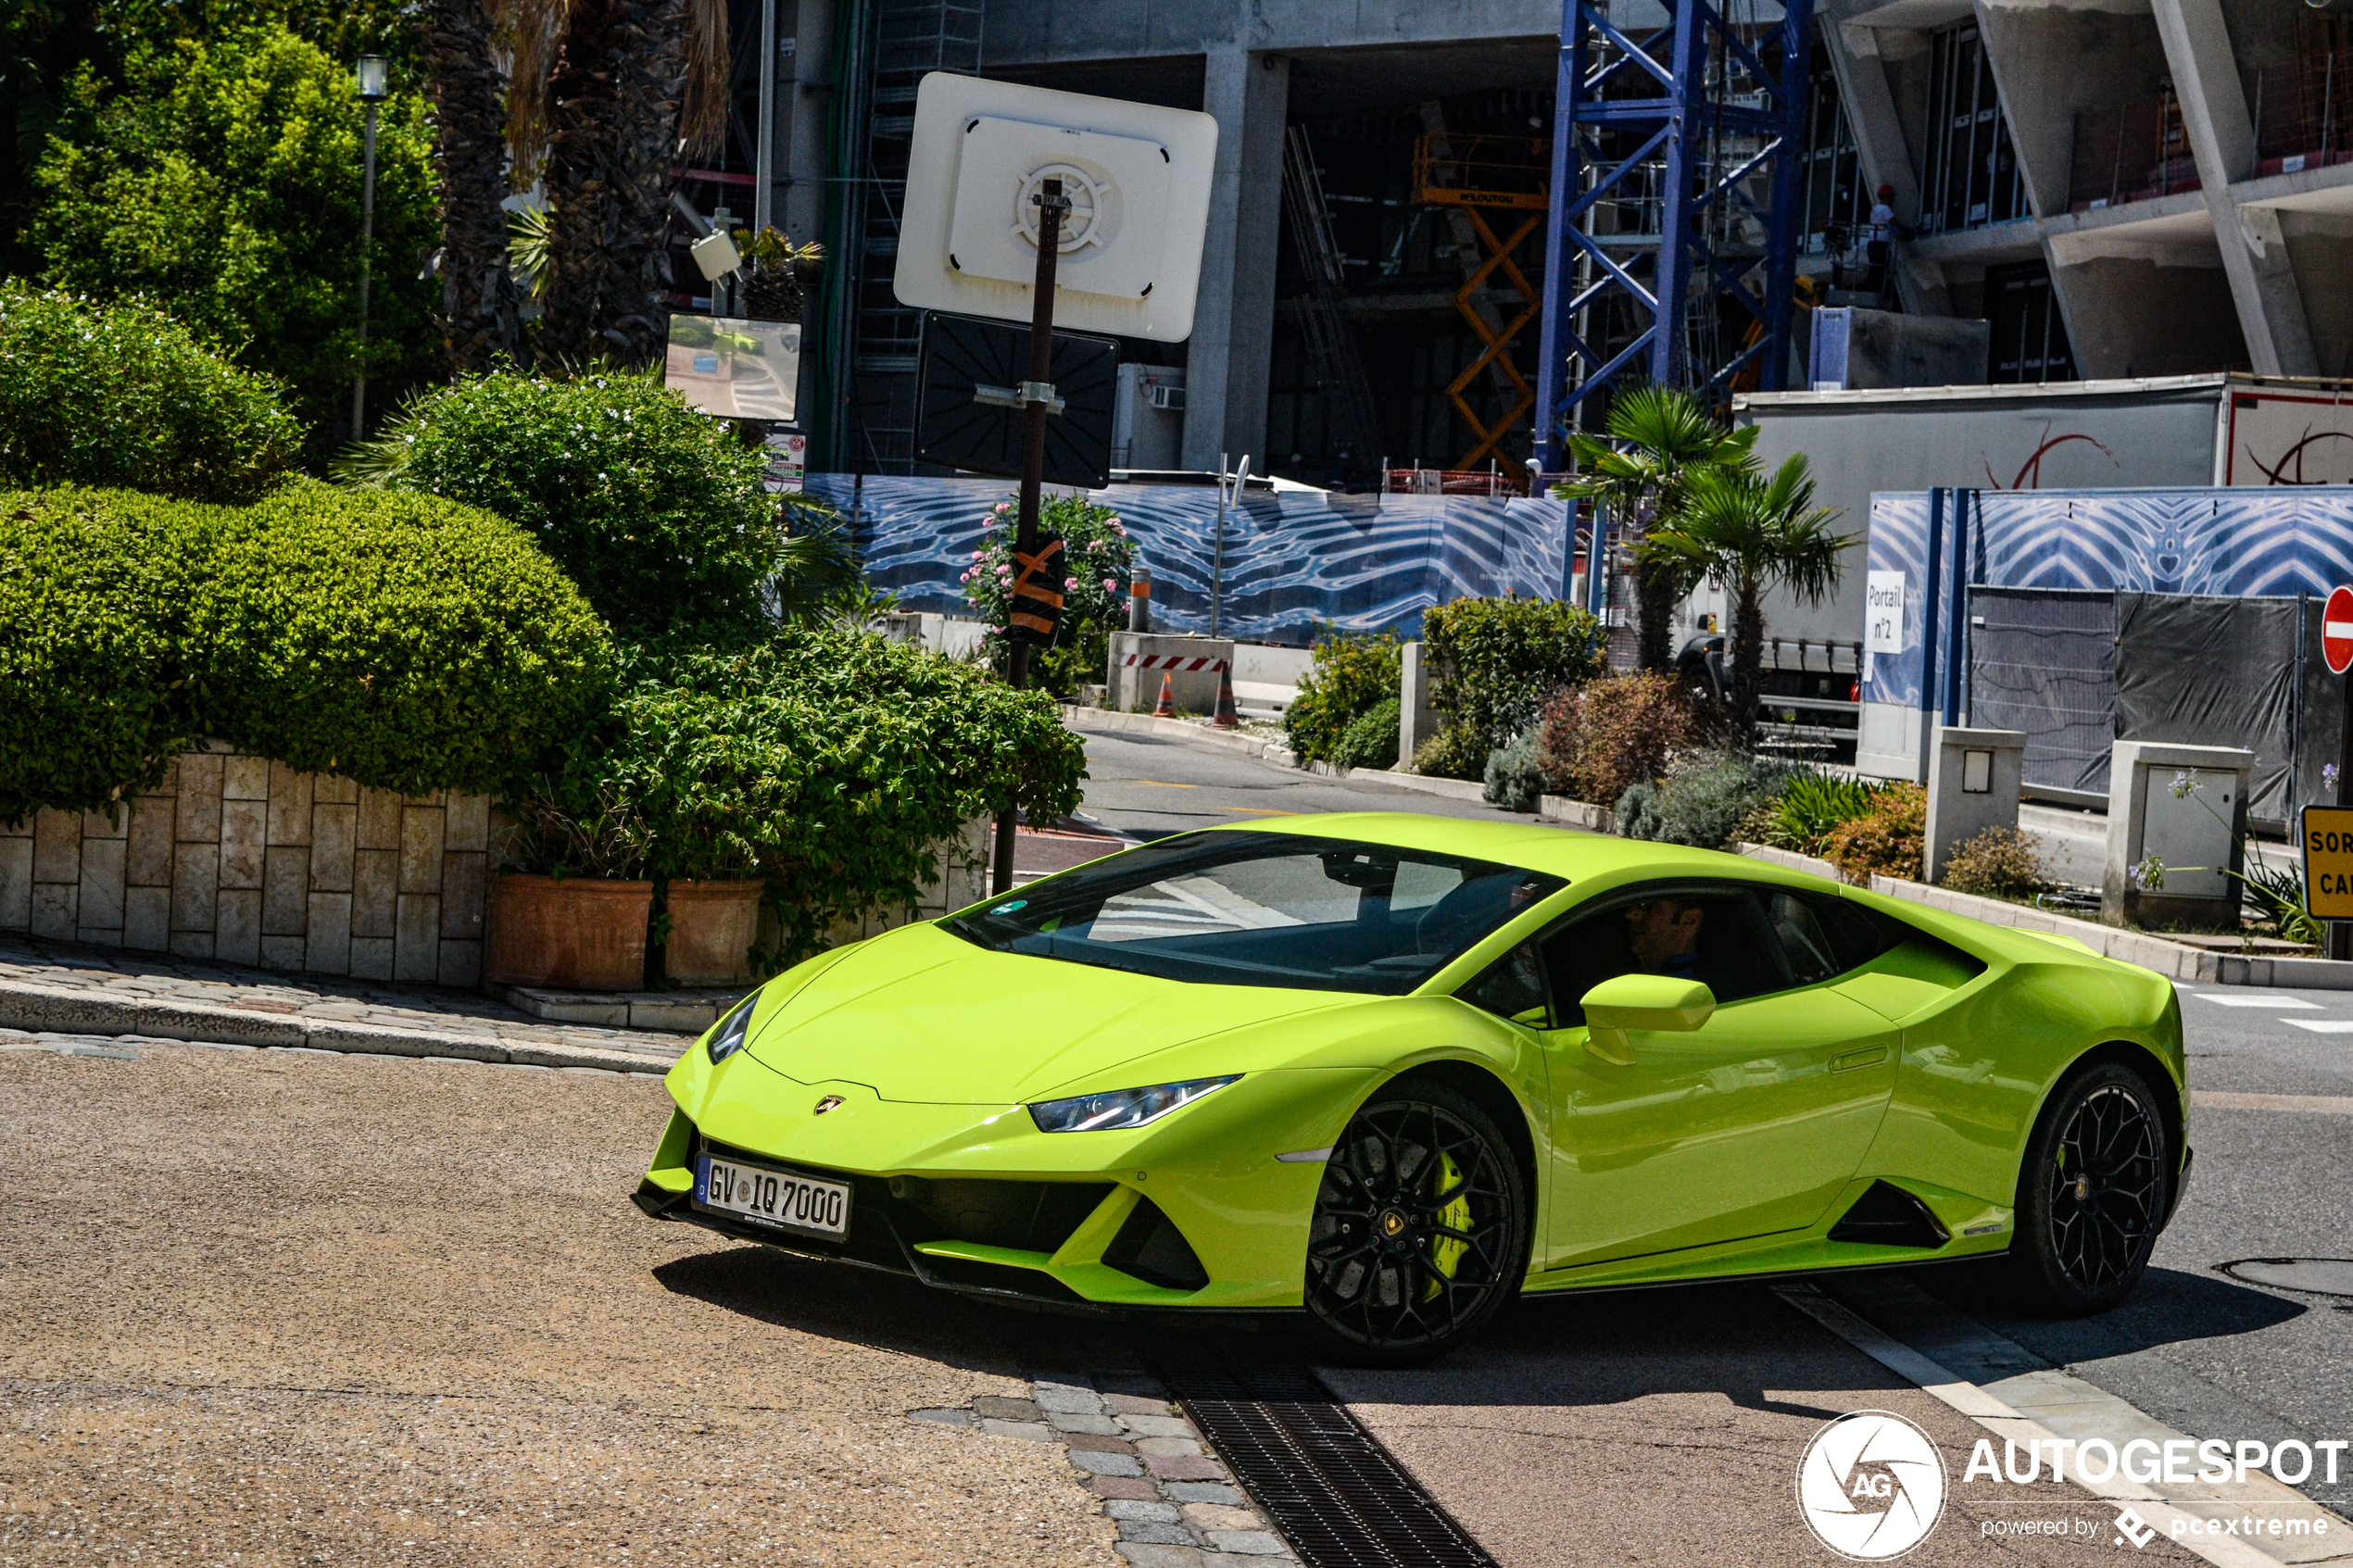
[
  {"x": 1098, "y": 555},
  {"x": 1598, "y": 739},
  {"x": 655, "y": 510},
  {"x": 122, "y": 396},
  {"x": 1454, "y": 752},
  {"x": 1497, "y": 660},
  {"x": 1515, "y": 779},
  {"x": 830, "y": 761},
  {"x": 1350, "y": 675},
  {"x": 1813, "y": 805},
  {"x": 1703, "y": 798},
  {"x": 1887, "y": 840},
  {"x": 1999, "y": 863},
  {"x": 1370, "y": 740}
]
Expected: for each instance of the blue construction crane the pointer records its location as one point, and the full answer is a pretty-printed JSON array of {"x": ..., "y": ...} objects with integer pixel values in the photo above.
[{"x": 1689, "y": 150}]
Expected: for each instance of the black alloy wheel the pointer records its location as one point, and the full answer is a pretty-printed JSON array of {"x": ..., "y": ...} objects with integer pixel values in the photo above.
[
  {"x": 2092, "y": 1195},
  {"x": 1420, "y": 1229}
]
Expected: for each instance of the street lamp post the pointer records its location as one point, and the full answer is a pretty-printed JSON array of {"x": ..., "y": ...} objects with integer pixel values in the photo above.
[{"x": 372, "y": 93}]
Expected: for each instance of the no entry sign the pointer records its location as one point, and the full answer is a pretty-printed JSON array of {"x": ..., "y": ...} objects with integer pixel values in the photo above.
[{"x": 2336, "y": 631}]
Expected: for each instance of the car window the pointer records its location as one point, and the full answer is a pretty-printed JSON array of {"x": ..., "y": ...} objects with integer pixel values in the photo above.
[
  {"x": 1262, "y": 909},
  {"x": 1722, "y": 947},
  {"x": 1823, "y": 937},
  {"x": 1513, "y": 987}
]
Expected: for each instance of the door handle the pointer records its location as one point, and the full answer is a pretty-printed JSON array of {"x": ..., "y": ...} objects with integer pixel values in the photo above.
[{"x": 1869, "y": 1056}]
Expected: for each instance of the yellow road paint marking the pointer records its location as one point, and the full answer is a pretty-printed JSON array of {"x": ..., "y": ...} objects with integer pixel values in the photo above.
[{"x": 1157, "y": 784}]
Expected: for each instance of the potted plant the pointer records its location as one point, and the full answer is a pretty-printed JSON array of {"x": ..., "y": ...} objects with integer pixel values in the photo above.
[
  {"x": 570, "y": 906},
  {"x": 779, "y": 284}
]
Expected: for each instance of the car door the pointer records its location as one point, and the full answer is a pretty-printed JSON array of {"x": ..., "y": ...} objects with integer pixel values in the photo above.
[{"x": 1747, "y": 1126}]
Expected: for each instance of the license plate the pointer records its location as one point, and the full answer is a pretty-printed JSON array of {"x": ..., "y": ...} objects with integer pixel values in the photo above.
[{"x": 784, "y": 1200}]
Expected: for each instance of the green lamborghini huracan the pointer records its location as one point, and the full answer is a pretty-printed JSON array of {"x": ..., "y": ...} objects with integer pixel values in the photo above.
[{"x": 1393, "y": 1069}]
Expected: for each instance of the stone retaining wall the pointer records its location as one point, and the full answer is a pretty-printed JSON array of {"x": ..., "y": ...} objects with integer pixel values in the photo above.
[{"x": 241, "y": 859}]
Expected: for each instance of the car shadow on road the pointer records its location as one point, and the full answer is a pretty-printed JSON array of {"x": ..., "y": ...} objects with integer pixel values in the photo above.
[
  {"x": 2167, "y": 1307},
  {"x": 886, "y": 1312}
]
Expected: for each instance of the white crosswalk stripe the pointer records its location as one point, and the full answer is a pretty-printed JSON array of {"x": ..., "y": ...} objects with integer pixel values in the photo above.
[{"x": 2253, "y": 999}]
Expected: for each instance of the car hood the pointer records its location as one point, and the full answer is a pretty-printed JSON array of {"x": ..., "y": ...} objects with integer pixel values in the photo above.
[{"x": 920, "y": 1015}]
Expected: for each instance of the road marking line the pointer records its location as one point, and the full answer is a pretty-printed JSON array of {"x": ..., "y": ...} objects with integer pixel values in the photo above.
[
  {"x": 2325, "y": 1025},
  {"x": 2218, "y": 999},
  {"x": 1158, "y": 783},
  {"x": 2226, "y": 1099},
  {"x": 1990, "y": 1411},
  {"x": 1263, "y": 812}
]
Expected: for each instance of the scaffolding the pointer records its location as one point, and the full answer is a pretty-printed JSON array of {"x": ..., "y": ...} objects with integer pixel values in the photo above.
[{"x": 1677, "y": 161}]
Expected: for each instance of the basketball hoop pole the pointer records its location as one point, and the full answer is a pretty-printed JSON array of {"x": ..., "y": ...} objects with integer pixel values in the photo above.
[{"x": 1038, "y": 394}]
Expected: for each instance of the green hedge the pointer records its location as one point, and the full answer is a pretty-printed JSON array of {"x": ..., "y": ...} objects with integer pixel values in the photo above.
[
  {"x": 1498, "y": 661},
  {"x": 830, "y": 761},
  {"x": 408, "y": 643},
  {"x": 655, "y": 510},
  {"x": 411, "y": 644},
  {"x": 94, "y": 690},
  {"x": 123, "y": 396},
  {"x": 1349, "y": 675}
]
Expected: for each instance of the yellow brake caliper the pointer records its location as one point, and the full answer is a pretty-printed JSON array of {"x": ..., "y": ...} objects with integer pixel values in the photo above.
[{"x": 1446, "y": 1252}]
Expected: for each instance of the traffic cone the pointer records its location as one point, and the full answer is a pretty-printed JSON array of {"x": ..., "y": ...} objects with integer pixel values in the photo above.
[
  {"x": 1227, "y": 718},
  {"x": 1168, "y": 708}
]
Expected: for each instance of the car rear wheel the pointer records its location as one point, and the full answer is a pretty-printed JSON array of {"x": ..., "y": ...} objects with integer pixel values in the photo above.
[
  {"x": 1420, "y": 1229},
  {"x": 2092, "y": 1195}
]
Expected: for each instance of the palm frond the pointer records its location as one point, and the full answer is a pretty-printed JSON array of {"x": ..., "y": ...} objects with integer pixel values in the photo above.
[
  {"x": 703, "y": 117},
  {"x": 528, "y": 34}
]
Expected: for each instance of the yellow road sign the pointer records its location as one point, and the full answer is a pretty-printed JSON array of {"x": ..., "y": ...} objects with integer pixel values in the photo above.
[{"x": 2328, "y": 862}]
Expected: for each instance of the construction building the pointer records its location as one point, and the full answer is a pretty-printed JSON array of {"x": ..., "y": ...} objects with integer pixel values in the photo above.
[{"x": 2116, "y": 188}]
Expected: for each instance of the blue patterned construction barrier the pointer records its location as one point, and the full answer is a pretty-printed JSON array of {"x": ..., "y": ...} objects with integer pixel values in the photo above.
[
  {"x": 1295, "y": 560},
  {"x": 2239, "y": 543}
]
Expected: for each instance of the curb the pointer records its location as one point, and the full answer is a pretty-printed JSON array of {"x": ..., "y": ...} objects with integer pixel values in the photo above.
[
  {"x": 58, "y": 1009},
  {"x": 1276, "y": 751}
]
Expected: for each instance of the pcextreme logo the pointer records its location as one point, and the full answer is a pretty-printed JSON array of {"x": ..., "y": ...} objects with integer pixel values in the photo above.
[{"x": 1872, "y": 1486}]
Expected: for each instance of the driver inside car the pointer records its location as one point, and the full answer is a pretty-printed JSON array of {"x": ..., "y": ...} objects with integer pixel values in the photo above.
[{"x": 1664, "y": 934}]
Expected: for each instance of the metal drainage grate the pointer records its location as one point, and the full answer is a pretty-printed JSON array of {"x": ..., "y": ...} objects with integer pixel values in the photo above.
[{"x": 1335, "y": 1492}]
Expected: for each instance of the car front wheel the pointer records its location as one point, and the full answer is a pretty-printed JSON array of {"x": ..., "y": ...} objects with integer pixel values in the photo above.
[
  {"x": 1420, "y": 1229},
  {"x": 2092, "y": 1195}
]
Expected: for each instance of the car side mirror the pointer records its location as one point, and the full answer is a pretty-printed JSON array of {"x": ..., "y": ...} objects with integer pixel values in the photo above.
[{"x": 1641, "y": 1001}]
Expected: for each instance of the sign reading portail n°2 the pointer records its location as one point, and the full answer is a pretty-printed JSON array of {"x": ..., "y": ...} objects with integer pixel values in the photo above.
[{"x": 2328, "y": 861}]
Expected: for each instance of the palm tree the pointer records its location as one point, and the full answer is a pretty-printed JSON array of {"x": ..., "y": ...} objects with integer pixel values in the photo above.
[
  {"x": 617, "y": 86},
  {"x": 1754, "y": 533},
  {"x": 478, "y": 301},
  {"x": 1658, "y": 441}
]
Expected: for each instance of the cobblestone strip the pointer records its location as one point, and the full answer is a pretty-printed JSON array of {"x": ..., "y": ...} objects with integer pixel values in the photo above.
[
  {"x": 1174, "y": 1500},
  {"x": 49, "y": 988}
]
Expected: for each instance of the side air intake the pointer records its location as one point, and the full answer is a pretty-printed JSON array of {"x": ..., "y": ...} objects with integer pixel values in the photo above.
[
  {"x": 1888, "y": 1216},
  {"x": 1154, "y": 1250}
]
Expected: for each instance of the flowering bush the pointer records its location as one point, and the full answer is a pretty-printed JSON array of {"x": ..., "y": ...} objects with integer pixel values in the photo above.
[{"x": 1097, "y": 558}]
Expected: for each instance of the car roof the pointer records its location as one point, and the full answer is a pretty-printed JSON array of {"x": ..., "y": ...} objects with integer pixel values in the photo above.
[{"x": 1566, "y": 852}]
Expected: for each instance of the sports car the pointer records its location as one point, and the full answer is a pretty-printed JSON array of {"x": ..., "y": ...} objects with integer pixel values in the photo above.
[{"x": 1389, "y": 1070}]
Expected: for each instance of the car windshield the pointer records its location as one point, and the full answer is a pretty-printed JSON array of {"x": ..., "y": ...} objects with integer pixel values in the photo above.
[{"x": 1262, "y": 909}]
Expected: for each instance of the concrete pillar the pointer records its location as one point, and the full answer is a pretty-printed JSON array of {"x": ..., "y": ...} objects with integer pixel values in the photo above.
[
  {"x": 2176, "y": 807},
  {"x": 804, "y": 87},
  {"x": 1226, "y": 365},
  {"x": 1973, "y": 780},
  {"x": 1879, "y": 141},
  {"x": 2214, "y": 112},
  {"x": 1417, "y": 720}
]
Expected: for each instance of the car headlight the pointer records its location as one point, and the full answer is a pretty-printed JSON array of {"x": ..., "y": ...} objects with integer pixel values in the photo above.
[
  {"x": 728, "y": 1038},
  {"x": 1120, "y": 1108}
]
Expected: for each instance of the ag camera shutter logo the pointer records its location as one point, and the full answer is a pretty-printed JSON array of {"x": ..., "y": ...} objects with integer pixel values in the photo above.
[{"x": 1872, "y": 1486}]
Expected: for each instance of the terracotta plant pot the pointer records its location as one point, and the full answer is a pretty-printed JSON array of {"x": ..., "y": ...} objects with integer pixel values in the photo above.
[
  {"x": 573, "y": 935},
  {"x": 712, "y": 926}
]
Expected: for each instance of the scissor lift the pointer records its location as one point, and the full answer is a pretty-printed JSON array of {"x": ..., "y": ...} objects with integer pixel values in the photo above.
[{"x": 1478, "y": 175}]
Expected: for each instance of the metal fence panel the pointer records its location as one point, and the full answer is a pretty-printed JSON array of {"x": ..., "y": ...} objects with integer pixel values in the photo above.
[{"x": 2044, "y": 660}]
